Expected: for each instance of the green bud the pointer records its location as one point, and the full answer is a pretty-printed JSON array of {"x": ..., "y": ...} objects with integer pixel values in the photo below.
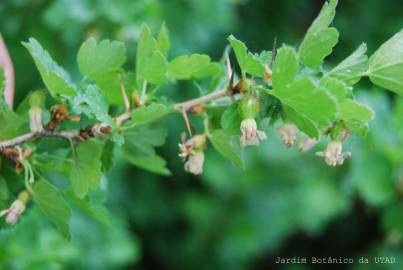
[
  {"x": 338, "y": 132},
  {"x": 249, "y": 107},
  {"x": 37, "y": 99}
]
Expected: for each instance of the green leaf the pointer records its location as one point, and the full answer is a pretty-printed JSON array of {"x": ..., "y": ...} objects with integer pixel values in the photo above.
[
  {"x": 194, "y": 66},
  {"x": 156, "y": 69},
  {"x": 85, "y": 174},
  {"x": 93, "y": 208},
  {"x": 150, "y": 61},
  {"x": 97, "y": 59},
  {"x": 351, "y": 69},
  {"x": 350, "y": 110},
  {"x": 285, "y": 67},
  {"x": 108, "y": 155},
  {"x": 52, "y": 204},
  {"x": 10, "y": 124},
  {"x": 335, "y": 88},
  {"x": 302, "y": 122},
  {"x": 319, "y": 39},
  {"x": 55, "y": 78},
  {"x": 228, "y": 146},
  {"x": 139, "y": 145},
  {"x": 163, "y": 42},
  {"x": 386, "y": 65},
  {"x": 109, "y": 83},
  {"x": 150, "y": 113},
  {"x": 231, "y": 120},
  {"x": 302, "y": 96},
  {"x": 142, "y": 139},
  {"x": 92, "y": 102},
  {"x": 4, "y": 191},
  {"x": 153, "y": 163},
  {"x": 248, "y": 62}
]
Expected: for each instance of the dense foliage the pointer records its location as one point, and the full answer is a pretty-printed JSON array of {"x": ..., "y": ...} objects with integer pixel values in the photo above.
[{"x": 110, "y": 112}]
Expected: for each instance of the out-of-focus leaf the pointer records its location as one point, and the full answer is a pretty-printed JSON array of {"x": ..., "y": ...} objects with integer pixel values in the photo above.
[
  {"x": 386, "y": 65},
  {"x": 231, "y": 120},
  {"x": 351, "y": 69},
  {"x": 108, "y": 155},
  {"x": 10, "y": 124},
  {"x": 150, "y": 113},
  {"x": 4, "y": 192},
  {"x": 153, "y": 163},
  {"x": 163, "y": 42},
  {"x": 352, "y": 110},
  {"x": 302, "y": 122},
  {"x": 139, "y": 147},
  {"x": 228, "y": 146},
  {"x": 85, "y": 174},
  {"x": 55, "y": 78},
  {"x": 52, "y": 204},
  {"x": 248, "y": 62},
  {"x": 320, "y": 39}
]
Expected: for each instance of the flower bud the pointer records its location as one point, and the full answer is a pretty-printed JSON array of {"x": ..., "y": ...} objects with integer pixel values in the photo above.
[
  {"x": 288, "y": 133},
  {"x": 188, "y": 147},
  {"x": 307, "y": 144},
  {"x": 16, "y": 209},
  {"x": 249, "y": 107},
  {"x": 14, "y": 212},
  {"x": 195, "y": 163},
  {"x": 250, "y": 134},
  {"x": 35, "y": 119},
  {"x": 333, "y": 154}
]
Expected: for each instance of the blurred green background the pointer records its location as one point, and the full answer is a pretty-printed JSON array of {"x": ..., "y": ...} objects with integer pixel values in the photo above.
[{"x": 284, "y": 204}]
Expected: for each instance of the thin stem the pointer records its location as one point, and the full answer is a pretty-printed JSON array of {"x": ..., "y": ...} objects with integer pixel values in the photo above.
[
  {"x": 185, "y": 106},
  {"x": 75, "y": 134}
]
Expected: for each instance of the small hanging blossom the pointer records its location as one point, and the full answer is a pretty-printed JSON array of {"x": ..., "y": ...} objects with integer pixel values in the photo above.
[
  {"x": 288, "y": 133},
  {"x": 333, "y": 154},
  {"x": 249, "y": 109},
  {"x": 191, "y": 151},
  {"x": 16, "y": 209},
  {"x": 307, "y": 144},
  {"x": 250, "y": 134},
  {"x": 194, "y": 164}
]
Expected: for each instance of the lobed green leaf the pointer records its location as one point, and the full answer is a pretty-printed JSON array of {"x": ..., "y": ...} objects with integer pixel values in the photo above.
[
  {"x": 351, "y": 69},
  {"x": 54, "y": 77},
  {"x": 319, "y": 39},
  {"x": 52, "y": 204},
  {"x": 386, "y": 65}
]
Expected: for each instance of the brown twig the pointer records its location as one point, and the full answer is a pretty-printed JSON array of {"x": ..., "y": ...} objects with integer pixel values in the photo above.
[{"x": 102, "y": 128}]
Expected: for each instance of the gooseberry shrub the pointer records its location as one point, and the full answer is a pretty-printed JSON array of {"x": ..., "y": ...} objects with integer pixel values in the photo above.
[{"x": 77, "y": 128}]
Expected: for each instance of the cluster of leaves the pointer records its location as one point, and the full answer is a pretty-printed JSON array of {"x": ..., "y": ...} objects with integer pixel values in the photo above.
[{"x": 291, "y": 84}]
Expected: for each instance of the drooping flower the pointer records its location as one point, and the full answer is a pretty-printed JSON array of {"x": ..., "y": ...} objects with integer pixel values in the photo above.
[
  {"x": 16, "y": 209},
  {"x": 191, "y": 151},
  {"x": 14, "y": 212},
  {"x": 333, "y": 154},
  {"x": 288, "y": 133},
  {"x": 195, "y": 162},
  {"x": 250, "y": 134},
  {"x": 307, "y": 144}
]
